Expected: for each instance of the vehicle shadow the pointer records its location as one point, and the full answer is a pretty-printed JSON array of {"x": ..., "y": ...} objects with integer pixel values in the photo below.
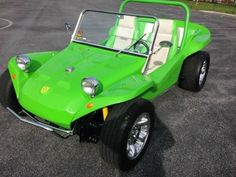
[{"x": 151, "y": 163}]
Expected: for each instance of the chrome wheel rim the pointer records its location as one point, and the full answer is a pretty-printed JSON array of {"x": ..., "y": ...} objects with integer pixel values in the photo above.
[
  {"x": 202, "y": 72},
  {"x": 138, "y": 136}
]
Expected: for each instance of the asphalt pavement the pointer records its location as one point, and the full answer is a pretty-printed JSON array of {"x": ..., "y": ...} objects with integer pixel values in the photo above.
[{"x": 195, "y": 133}]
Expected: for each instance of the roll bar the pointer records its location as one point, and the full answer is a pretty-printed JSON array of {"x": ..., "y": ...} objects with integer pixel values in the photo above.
[{"x": 169, "y": 3}]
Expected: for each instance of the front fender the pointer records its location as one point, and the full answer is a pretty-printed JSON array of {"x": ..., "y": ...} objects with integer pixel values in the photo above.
[
  {"x": 124, "y": 90},
  {"x": 18, "y": 76}
]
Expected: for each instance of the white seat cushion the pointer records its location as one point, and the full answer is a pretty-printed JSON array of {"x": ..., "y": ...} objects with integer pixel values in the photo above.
[{"x": 165, "y": 33}]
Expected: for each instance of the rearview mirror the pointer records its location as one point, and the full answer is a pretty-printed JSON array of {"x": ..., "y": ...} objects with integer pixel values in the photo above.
[{"x": 68, "y": 28}]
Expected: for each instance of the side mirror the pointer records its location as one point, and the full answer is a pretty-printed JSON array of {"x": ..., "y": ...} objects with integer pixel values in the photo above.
[
  {"x": 68, "y": 28},
  {"x": 166, "y": 44}
]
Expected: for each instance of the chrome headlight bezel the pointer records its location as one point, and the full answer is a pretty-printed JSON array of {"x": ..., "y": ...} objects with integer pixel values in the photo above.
[
  {"x": 91, "y": 86},
  {"x": 23, "y": 62}
]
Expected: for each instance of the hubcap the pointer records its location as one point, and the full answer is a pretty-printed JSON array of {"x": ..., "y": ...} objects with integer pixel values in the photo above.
[
  {"x": 202, "y": 72},
  {"x": 138, "y": 136}
]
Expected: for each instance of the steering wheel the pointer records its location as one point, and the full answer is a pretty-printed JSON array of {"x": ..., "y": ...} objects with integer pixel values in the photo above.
[{"x": 138, "y": 47}]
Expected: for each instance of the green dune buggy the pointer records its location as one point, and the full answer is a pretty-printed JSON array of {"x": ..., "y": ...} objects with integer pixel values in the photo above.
[{"x": 101, "y": 84}]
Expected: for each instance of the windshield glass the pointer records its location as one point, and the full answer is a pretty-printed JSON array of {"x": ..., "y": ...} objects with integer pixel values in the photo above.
[{"x": 121, "y": 32}]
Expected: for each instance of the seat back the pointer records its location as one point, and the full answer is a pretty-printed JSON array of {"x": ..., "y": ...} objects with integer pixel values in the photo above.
[
  {"x": 122, "y": 35},
  {"x": 144, "y": 26}
]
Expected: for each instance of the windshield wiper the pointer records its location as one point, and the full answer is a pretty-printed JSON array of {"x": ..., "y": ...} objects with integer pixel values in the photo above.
[{"x": 131, "y": 45}]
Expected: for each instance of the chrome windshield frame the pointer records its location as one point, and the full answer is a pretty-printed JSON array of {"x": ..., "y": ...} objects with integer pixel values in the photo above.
[{"x": 155, "y": 27}]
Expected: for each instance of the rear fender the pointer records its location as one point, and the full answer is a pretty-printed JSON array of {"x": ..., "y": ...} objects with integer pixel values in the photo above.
[{"x": 199, "y": 38}]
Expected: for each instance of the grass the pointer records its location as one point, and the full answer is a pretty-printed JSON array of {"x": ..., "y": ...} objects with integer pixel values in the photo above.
[{"x": 210, "y": 6}]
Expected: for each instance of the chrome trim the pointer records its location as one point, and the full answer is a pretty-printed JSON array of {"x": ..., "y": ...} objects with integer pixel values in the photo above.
[
  {"x": 156, "y": 27},
  {"x": 138, "y": 136},
  {"x": 118, "y": 13},
  {"x": 202, "y": 73},
  {"x": 77, "y": 25},
  {"x": 39, "y": 124}
]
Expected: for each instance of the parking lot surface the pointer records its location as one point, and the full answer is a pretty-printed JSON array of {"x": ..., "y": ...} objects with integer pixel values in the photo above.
[{"x": 194, "y": 132}]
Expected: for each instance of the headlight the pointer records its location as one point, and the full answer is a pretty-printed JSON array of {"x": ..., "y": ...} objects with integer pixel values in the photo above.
[
  {"x": 23, "y": 62},
  {"x": 91, "y": 86}
]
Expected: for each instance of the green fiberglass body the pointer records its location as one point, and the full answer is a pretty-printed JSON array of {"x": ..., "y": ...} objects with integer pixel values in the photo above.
[{"x": 105, "y": 78}]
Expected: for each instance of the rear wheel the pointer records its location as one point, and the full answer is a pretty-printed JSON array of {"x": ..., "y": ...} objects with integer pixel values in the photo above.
[
  {"x": 7, "y": 92},
  {"x": 194, "y": 71},
  {"x": 126, "y": 133}
]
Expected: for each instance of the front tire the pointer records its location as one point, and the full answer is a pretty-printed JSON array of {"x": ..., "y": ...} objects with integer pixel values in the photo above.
[
  {"x": 126, "y": 133},
  {"x": 7, "y": 92},
  {"x": 194, "y": 71}
]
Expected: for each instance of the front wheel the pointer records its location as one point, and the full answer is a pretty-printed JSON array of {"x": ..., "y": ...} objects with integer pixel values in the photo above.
[{"x": 126, "y": 133}]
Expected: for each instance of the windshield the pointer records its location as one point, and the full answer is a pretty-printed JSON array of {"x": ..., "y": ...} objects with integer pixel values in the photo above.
[{"x": 121, "y": 32}]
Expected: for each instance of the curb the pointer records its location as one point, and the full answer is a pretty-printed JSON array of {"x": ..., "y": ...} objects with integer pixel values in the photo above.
[{"x": 218, "y": 13}]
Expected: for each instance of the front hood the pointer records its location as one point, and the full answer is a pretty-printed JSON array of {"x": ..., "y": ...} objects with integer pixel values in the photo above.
[{"x": 51, "y": 90}]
